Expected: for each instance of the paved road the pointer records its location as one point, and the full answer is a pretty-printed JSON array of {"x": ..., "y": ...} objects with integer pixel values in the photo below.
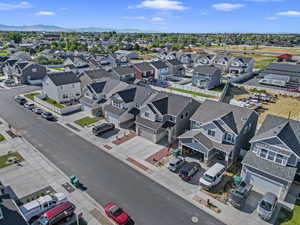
[{"x": 107, "y": 178}]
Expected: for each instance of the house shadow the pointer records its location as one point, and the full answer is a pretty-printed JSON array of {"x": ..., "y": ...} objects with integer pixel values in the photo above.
[
  {"x": 110, "y": 133},
  {"x": 251, "y": 202}
]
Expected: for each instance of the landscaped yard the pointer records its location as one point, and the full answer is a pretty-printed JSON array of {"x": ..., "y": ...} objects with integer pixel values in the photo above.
[
  {"x": 290, "y": 218},
  {"x": 3, "y": 53},
  {"x": 4, "y": 158},
  {"x": 53, "y": 102},
  {"x": 2, "y": 138},
  {"x": 191, "y": 92},
  {"x": 86, "y": 121},
  {"x": 31, "y": 95},
  {"x": 58, "y": 68},
  {"x": 218, "y": 89}
]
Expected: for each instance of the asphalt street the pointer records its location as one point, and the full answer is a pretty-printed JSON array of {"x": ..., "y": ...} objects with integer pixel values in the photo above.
[{"x": 106, "y": 178}]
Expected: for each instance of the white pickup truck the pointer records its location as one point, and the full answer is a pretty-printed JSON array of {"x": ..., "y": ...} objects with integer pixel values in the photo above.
[{"x": 32, "y": 210}]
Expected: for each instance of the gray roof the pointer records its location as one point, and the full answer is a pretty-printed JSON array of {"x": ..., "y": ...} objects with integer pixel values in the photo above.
[
  {"x": 97, "y": 74},
  {"x": 207, "y": 70},
  {"x": 63, "y": 78},
  {"x": 234, "y": 116},
  {"x": 159, "y": 64},
  {"x": 135, "y": 93},
  {"x": 144, "y": 66},
  {"x": 282, "y": 69},
  {"x": 174, "y": 62},
  {"x": 274, "y": 169},
  {"x": 123, "y": 70},
  {"x": 114, "y": 110},
  {"x": 287, "y": 130},
  {"x": 105, "y": 85},
  {"x": 148, "y": 123}
]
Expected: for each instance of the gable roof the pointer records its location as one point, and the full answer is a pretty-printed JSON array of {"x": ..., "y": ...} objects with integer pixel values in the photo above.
[
  {"x": 63, "y": 78},
  {"x": 97, "y": 74},
  {"x": 233, "y": 116},
  {"x": 287, "y": 130},
  {"x": 159, "y": 64},
  {"x": 123, "y": 70},
  {"x": 144, "y": 66},
  {"x": 135, "y": 93},
  {"x": 207, "y": 70},
  {"x": 174, "y": 62}
]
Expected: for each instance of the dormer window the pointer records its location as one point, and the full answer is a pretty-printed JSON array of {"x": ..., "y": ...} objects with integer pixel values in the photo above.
[
  {"x": 271, "y": 156},
  {"x": 229, "y": 138},
  {"x": 279, "y": 158},
  {"x": 147, "y": 114},
  {"x": 263, "y": 153},
  {"x": 211, "y": 133}
]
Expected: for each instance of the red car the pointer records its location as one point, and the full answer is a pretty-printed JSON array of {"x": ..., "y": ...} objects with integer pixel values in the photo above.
[{"x": 113, "y": 211}]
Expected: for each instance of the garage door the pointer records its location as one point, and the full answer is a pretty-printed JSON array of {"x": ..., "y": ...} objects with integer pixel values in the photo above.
[
  {"x": 112, "y": 120},
  {"x": 263, "y": 185},
  {"x": 147, "y": 135}
]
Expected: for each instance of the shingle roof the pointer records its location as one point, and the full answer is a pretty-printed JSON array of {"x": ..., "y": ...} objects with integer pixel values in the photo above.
[
  {"x": 174, "y": 62},
  {"x": 207, "y": 70},
  {"x": 144, "y": 66},
  {"x": 159, "y": 64},
  {"x": 63, "y": 78},
  {"x": 97, "y": 86},
  {"x": 287, "y": 130},
  {"x": 97, "y": 74},
  {"x": 282, "y": 69},
  {"x": 234, "y": 116},
  {"x": 283, "y": 172},
  {"x": 123, "y": 70}
]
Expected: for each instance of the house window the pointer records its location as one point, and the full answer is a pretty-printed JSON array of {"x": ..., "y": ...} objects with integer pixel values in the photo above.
[
  {"x": 271, "y": 156},
  {"x": 279, "y": 158},
  {"x": 229, "y": 138},
  {"x": 147, "y": 114},
  {"x": 186, "y": 114},
  {"x": 263, "y": 153},
  {"x": 181, "y": 116},
  {"x": 172, "y": 118},
  {"x": 211, "y": 133}
]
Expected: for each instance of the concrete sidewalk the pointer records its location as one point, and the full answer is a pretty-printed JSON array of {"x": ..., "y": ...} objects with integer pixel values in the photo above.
[{"x": 37, "y": 173}]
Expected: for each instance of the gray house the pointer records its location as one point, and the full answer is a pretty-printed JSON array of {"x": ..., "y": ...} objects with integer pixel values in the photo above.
[
  {"x": 206, "y": 77},
  {"x": 124, "y": 73},
  {"x": 161, "y": 70},
  {"x": 165, "y": 116},
  {"x": 219, "y": 129},
  {"x": 92, "y": 76},
  {"x": 203, "y": 59},
  {"x": 240, "y": 65},
  {"x": 176, "y": 68},
  {"x": 271, "y": 164},
  {"x": 222, "y": 62},
  {"x": 125, "y": 105}
]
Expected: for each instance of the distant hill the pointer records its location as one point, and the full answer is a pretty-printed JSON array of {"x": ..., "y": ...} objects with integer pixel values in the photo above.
[{"x": 50, "y": 28}]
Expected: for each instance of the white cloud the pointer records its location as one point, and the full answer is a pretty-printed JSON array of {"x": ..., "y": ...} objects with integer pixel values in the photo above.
[
  {"x": 157, "y": 19},
  {"x": 45, "y": 13},
  {"x": 271, "y": 18},
  {"x": 227, "y": 7},
  {"x": 289, "y": 13},
  {"x": 133, "y": 17},
  {"x": 10, "y": 6},
  {"x": 162, "y": 5}
]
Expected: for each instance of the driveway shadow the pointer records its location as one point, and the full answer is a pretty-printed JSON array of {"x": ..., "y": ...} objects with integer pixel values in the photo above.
[{"x": 251, "y": 202}]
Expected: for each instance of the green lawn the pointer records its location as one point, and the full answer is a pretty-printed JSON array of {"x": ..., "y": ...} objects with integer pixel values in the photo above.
[
  {"x": 85, "y": 121},
  {"x": 218, "y": 89},
  {"x": 53, "y": 102},
  {"x": 290, "y": 218},
  {"x": 4, "y": 158},
  {"x": 3, "y": 53},
  {"x": 31, "y": 95},
  {"x": 191, "y": 92},
  {"x": 263, "y": 63},
  {"x": 2, "y": 138},
  {"x": 58, "y": 68}
]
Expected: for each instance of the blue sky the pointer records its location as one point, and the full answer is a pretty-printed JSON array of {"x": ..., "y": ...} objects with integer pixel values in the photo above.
[{"x": 161, "y": 15}]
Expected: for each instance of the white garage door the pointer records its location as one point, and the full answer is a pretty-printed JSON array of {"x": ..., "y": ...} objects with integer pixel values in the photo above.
[
  {"x": 147, "y": 135},
  {"x": 263, "y": 185}
]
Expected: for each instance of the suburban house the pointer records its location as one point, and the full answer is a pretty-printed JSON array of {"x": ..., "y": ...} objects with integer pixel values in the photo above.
[
  {"x": 185, "y": 58},
  {"x": 96, "y": 94},
  {"x": 176, "y": 68},
  {"x": 76, "y": 64},
  {"x": 26, "y": 72},
  {"x": 124, "y": 73},
  {"x": 166, "y": 116},
  {"x": 116, "y": 60},
  {"x": 92, "y": 76},
  {"x": 219, "y": 131},
  {"x": 222, "y": 62},
  {"x": 128, "y": 54},
  {"x": 143, "y": 70},
  {"x": 125, "y": 105},
  {"x": 206, "y": 77},
  {"x": 281, "y": 74},
  {"x": 161, "y": 70},
  {"x": 62, "y": 87},
  {"x": 273, "y": 162},
  {"x": 203, "y": 59},
  {"x": 240, "y": 65}
]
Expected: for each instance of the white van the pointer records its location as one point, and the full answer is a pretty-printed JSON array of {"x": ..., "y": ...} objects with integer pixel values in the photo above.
[{"x": 212, "y": 176}]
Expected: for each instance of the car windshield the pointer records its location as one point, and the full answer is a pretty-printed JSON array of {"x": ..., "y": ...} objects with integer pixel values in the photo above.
[
  {"x": 43, "y": 220},
  {"x": 209, "y": 178},
  {"x": 116, "y": 211},
  {"x": 266, "y": 205}
]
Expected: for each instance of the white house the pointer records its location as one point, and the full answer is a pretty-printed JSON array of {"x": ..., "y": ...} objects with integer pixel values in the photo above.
[{"x": 62, "y": 87}]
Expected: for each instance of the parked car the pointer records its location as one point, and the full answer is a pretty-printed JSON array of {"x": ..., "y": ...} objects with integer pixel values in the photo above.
[
  {"x": 175, "y": 164},
  {"x": 20, "y": 100},
  {"x": 9, "y": 82},
  {"x": 57, "y": 214},
  {"x": 47, "y": 116},
  {"x": 113, "y": 211},
  {"x": 102, "y": 128},
  {"x": 37, "y": 110},
  {"x": 189, "y": 170},
  {"x": 29, "y": 106},
  {"x": 267, "y": 206},
  {"x": 238, "y": 196},
  {"x": 212, "y": 176}
]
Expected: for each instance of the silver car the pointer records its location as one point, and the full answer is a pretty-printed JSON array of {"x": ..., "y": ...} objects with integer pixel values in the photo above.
[
  {"x": 175, "y": 163},
  {"x": 267, "y": 206}
]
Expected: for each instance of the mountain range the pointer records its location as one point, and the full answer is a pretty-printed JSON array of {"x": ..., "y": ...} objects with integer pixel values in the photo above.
[{"x": 51, "y": 28}]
